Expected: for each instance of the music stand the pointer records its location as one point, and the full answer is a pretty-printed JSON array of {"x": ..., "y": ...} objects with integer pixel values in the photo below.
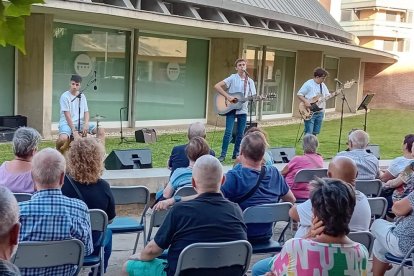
[{"x": 364, "y": 105}]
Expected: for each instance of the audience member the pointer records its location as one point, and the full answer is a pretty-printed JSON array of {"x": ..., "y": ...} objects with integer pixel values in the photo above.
[
  {"x": 182, "y": 176},
  {"x": 51, "y": 216},
  {"x": 327, "y": 250},
  {"x": 267, "y": 158},
  {"x": 345, "y": 169},
  {"x": 241, "y": 185},
  {"x": 16, "y": 174},
  {"x": 207, "y": 218},
  {"x": 178, "y": 157},
  {"x": 9, "y": 231},
  {"x": 309, "y": 160},
  {"x": 398, "y": 164},
  {"x": 367, "y": 164},
  {"x": 395, "y": 238},
  {"x": 83, "y": 181}
]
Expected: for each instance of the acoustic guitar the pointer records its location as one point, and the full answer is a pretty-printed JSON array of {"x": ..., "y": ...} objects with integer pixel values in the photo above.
[
  {"x": 307, "y": 112},
  {"x": 223, "y": 106}
]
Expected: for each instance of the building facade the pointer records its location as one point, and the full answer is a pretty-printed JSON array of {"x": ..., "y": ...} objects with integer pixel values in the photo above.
[
  {"x": 156, "y": 62},
  {"x": 387, "y": 26}
]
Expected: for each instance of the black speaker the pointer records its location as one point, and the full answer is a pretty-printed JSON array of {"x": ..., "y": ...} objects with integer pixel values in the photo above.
[
  {"x": 234, "y": 132},
  {"x": 146, "y": 135},
  {"x": 129, "y": 159}
]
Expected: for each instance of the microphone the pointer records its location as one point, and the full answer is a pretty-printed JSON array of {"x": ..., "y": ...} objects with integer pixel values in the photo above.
[
  {"x": 338, "y": 81},
  {"x": 95, "y": 87}
]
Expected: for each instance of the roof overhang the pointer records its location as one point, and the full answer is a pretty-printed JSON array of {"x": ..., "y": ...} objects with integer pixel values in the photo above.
[{"x": 124, "y": 18}]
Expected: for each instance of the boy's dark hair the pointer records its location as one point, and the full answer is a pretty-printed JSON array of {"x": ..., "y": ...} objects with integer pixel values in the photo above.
[
  {"x": 320, "y": 72},
  {"x": 76, "y": 78}
]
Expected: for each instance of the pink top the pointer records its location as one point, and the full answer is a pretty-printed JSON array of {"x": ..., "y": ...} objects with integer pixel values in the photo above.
[
  {"x": 16, "y": 182},
  {"x": 299, "y": 162}
]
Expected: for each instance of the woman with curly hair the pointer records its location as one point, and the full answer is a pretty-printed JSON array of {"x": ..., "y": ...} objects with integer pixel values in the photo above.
[
  {"x": 326, "y": 250},
  {"x": 83, "y": 181}
]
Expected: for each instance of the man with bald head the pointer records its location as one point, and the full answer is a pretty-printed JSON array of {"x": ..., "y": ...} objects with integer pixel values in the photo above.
[
  {"x": 178, "y": 157},
  {"x": 9, "y": 231},
  {"x": 343, "y": 168},
  {"x": 207, "y": 218},
  {"x": 51, "y": 216},
  {"x": 367, "y": 164}
]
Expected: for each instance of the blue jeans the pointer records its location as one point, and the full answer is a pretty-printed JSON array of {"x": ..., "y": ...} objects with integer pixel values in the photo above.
[
  {"x": 261, "y": 267},
  {"x": 241, "y": 125},
  {"x": 313, "y": 126}
]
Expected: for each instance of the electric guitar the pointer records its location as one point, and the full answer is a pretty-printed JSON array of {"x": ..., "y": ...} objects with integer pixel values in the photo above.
[
  {"x": 307, "y": 112},
  {"x": 223, "y": 106}
]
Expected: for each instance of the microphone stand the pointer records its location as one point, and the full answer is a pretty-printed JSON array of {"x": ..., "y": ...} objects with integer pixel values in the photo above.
[
  {"x": 79, "y": 96},
  {"x": 123, "y": 139},
  {"x": 342, "y": 117}
]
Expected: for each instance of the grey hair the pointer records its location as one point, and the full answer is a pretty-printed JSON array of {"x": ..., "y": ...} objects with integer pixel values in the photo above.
[
  {"x": 208, "y": 172},
  {"x": 310, "y": 143},
  {"x": 47, "y": 167},
  {"x": 359, "y": 139},
  {"x": 196, "y": 130},
  {"x": 25, "y": 140},
  {"x": 9, "y": 211}
]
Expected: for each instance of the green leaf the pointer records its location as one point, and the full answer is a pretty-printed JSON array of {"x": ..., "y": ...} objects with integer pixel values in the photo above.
[
  {"x": 1, "y": 12},
  {"x": 17, "y": 10},
  {"x": 14, "y": 32}
]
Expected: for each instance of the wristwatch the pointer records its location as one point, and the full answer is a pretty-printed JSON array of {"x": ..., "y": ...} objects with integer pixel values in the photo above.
[{"x": 177, "y": 199}]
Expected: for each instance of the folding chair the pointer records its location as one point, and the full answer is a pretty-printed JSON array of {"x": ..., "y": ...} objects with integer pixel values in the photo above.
[
  {"x": 374, "y": 149},
  {"x": 157, "y": 219},
  {"x": 218, "y": 259},
  {"x": 379, "y": 206},
  {"x": 268, "y": 213},
  {"x": 307, "y": 175},
  {"x": 99, "y": 223},
  {"x": 363, "y": 237},
  {"x": 20, "y": 197},
  {"x": 371, "y": 188},
  {"x": 406, "y": 261},
  {"x": 283, "y": 154},
  {"x": 130, "y": 195},
  {"x": 185, "y": 191},
  {"x": 41, "y": 254}
]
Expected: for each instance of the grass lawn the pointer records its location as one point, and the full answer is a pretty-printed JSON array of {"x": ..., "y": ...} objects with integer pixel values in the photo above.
[{"x": 386, "y": 128}]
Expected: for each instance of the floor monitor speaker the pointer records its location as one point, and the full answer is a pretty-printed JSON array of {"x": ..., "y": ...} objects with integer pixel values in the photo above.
[{"x": 129, "y": 159}]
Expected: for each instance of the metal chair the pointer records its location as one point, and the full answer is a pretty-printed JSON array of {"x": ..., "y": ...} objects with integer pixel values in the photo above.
[
  {"x": 41, "y": 254},
  {"x": 307, "y": 175},
  {"x": 99, "y": 223},
  {"x": 379, "y": 206},
  {"x": 20, "y": 197},
  {"x": 218, "y": 259},
  {"x": 406, "y": 261},
  {"x": 283, "y": 154},
  {"x": 131, "y": 195},
  {"x": 157, "y": 219},
  {"x": 268, "y": 213},
  {"x": 374, "y": 149},
  {"x": 185, "y": 191},
  {"x": 363, "y": 237},
  {"x": 371, "y": 188}
]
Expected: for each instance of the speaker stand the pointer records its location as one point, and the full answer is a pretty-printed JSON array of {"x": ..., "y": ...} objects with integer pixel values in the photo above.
[{"x": 123, "y": 139}]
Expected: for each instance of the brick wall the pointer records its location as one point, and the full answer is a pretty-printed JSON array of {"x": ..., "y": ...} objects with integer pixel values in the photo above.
[{"x": 393, "y": 85}]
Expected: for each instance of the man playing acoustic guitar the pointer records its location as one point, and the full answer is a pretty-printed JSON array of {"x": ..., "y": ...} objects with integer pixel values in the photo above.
[
  {"x": 310, "y": 89},
  {"x": 235, "y": 83}
]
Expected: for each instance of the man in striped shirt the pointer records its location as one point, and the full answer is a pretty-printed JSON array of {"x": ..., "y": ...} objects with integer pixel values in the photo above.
[{"x": 51, "y": 216}]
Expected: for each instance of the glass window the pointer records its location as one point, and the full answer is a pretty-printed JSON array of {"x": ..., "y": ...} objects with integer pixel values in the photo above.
[
  {"x": 278, "y": 79},
  {"x": 331, "y": 65},
  {"x": 85, "y": 50},
  {"x": 7, "y": 81},
  {"x": 172, "y": 78}
]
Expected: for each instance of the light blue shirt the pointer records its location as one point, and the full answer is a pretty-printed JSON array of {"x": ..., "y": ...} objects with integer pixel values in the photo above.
[
  {"x": 235, "y": 84},
  {"x": 311, "y": 89}
]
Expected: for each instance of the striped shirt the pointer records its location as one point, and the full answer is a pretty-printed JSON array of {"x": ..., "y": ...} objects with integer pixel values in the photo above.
[{"x": 51, "y": 216}]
